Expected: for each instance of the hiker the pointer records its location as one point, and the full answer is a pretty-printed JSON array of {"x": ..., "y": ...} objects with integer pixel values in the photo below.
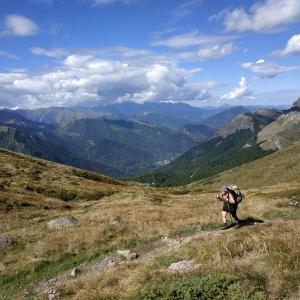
[{"x": 230, "y": 205}]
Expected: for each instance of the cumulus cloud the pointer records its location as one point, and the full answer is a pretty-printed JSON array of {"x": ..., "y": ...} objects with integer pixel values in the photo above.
[
  {"x": 268, "y": 15},
  {"x": 241, "y": 92},
  {"x": 89, "y": 80},
  {"x": 209, "y": 52},
  {"x": 267, "y": 69},
  {"x": 17, "y": 25},
  {"x": 190, "y": 39},
  {"x": 54, "y": 52},
  {"x": 292, "y": 47}
]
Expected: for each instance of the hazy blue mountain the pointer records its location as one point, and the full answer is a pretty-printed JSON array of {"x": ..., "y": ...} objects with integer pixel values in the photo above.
[
  {"x": 39, "y": 140},
  {"x": 113, "y": 145},
  {"x": 170, "y": 115},
  {"x": 56, "y": 115},
  {"x": 233, "y": 145},
  {"x": 222, "y": 118}
]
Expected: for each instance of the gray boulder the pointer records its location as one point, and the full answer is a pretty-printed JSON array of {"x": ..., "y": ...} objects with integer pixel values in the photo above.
[
  {"x": 63, "y": 222},
  {"x": 53, "y": 295},
  {"x": 75, "y": 272},
  {"x": 182, "y": 266},
  {"x": 5, "y": 242},
  {"x": 127, "y": 254}
]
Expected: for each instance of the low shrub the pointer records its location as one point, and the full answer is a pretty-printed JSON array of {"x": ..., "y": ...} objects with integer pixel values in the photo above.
[{"x": 214, "y": 286}]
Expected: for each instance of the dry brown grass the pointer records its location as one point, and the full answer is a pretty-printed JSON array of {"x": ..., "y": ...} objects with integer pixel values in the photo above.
[{"x": 115, "y": 215}]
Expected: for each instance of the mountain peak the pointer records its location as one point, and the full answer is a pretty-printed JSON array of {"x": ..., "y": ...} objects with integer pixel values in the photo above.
[
  {"x": 268, "y": 112},
  {"x": 297, "y": 103},
  {"x": 242, "y": 121}
]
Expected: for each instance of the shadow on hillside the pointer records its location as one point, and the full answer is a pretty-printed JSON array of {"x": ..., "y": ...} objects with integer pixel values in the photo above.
[{"x": 247, "y": 222}]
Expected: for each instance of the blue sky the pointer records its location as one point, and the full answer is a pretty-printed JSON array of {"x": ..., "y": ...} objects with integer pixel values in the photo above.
[{"x": 203, "y": 52}]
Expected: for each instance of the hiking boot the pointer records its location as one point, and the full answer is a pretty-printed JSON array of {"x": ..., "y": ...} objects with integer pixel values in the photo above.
[
  {"x": 224, "y": 226},
  {"x": 237, "y": 225}
]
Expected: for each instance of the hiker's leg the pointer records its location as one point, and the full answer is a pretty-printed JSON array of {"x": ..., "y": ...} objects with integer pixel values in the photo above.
[
  {"x": 234, "y": 209},
  {"x": 224, "y": 214}
]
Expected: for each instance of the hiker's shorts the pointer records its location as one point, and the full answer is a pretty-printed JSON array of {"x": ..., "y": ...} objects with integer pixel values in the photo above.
[{"x": 231, "y": 208}]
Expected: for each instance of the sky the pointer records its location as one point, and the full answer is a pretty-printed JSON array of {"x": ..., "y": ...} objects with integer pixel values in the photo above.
[{"x": 202, "y": 52}]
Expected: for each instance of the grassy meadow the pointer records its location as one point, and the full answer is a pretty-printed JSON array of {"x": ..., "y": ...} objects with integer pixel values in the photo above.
[{"x": 253, "y": 262}]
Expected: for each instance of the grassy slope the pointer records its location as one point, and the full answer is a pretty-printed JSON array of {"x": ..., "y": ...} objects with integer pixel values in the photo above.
[
  {"x": 279, "y": 167},
  {"x": 256, "y": 262}
]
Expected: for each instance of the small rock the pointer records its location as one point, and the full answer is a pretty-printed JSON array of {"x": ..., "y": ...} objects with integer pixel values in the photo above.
[
  {"x": 111, "y": 263},
  {"x": 295, "y": 204},
  {"x": 127, "y": 254},
  {"x": 53, "y": 295},
  {"x": 115, "y": 221},
  {"x": 171, "y": 241},
  {"x": 63, "y": 222},
  {"x": 5, "y": 242},
  {"x": 182, "y": 266},
  {"x": 75, "y": 272}
]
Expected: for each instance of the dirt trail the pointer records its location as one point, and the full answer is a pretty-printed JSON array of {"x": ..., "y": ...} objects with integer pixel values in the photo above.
[{"x": 145, "y": 253}]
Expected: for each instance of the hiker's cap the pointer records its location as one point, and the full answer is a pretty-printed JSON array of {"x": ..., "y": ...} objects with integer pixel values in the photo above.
[{"x": 224, "y": 188}]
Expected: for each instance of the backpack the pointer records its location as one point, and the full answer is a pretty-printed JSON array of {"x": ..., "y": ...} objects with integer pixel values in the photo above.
[{"x": 238, "y": 195}]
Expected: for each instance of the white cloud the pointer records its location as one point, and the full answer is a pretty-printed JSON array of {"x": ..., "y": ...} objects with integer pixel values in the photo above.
[
  {"x": 190, "y": 39},
  {"x": 54, "y": 52},
  {"x": 17, "y": 25},
  {"x": 239, "y": 93},
  {"x": 109, "y": 2},
  {"x": 88, "y": 80},
  {"x": 8, "y": 54},
  {"x": 292, "y": 47},
  {"x": 185, "y": 9},
  {"x": 268, "y": 15},
  {"x": 267, "y": 69},
  {"x": 209, "y": 52}
]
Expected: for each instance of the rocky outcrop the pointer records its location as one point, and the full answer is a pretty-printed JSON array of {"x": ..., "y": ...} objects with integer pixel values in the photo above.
[
  {"x": 297, "y": 103},
  {"x": 239, "y": 123},
  {"x": 63, "y": 222},
  {"x": 183, "y": 266},
  {"x": 127, "y": 254},
  {"x": 280, "y": 134},
  {"x": 5, "y": 242}
]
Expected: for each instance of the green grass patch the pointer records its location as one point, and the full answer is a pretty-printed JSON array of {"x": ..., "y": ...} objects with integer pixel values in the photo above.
[
  {"x": 184, "y": 230},
  {"x": 210, "y": 226},
  {"x": 210, "y": 286},
  {"x": 12, "y": 283}
]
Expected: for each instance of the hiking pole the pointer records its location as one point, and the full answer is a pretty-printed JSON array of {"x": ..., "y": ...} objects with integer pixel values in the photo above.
[{"x": 213, "y": 211}]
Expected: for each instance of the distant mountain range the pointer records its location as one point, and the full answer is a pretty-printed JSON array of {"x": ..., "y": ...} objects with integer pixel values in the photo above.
[
  {"x": 175, "y": 142},
  {"x": 169, "y": 115},
  {"x": 241, "y": 141},
  {"x": 114, "y": 147}
]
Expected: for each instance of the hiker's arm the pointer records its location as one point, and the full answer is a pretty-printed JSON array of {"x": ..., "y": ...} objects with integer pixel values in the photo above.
[{"x": 221, "y": 197}]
